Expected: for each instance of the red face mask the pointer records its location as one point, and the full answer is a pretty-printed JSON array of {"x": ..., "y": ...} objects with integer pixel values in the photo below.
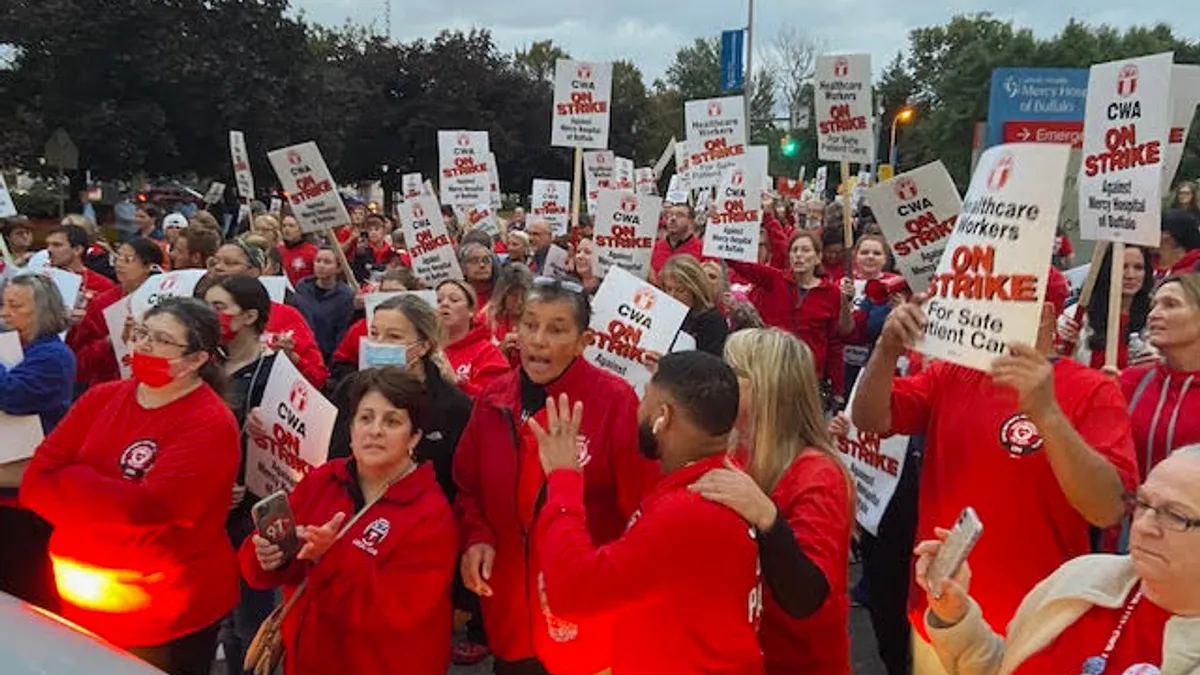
[
  {"x": 227, "y": 331},
  {"x": 152, "y": 371}
]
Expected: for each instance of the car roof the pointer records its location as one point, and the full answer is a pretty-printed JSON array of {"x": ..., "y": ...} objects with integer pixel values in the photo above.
[{"x": 36, "y": 642}]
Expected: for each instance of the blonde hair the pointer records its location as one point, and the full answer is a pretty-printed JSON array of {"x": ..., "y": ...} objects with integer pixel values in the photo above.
[
  {"x": 688, "y": 273},
  {"x": 80, "y": 220},
  {"x": 206, "y": 220},
  {"x": 274, "y": 225},
  {"x": 1190, "y": 283},
  {"x": 786, "y": 412}
]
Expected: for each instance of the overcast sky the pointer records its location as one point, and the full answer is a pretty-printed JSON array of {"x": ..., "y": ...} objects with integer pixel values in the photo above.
[{"x": 650, "y": 31}]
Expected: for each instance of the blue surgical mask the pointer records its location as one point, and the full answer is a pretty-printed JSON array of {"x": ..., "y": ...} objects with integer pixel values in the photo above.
[{"x": 375, "y": 355}]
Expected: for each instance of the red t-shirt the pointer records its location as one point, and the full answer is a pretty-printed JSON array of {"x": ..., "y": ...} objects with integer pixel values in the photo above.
[
  {"x": 1140, "y": 643},
  {"x": 991, "y": 458}
]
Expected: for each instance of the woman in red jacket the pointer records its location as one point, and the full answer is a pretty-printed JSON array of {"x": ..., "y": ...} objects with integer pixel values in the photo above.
[
  {"x": 500, "y": 480},
  {"x": 136, "y": 481},
  {"x": 1164, "y": 398},
  {"x": 504, "y": 310},
  {"x": 804, "y": 304},
  {"x": 298, "y": 251},
  {"x": 378, "y": 597},
  {"x": 477, "y": 362},
  {"x": 95, "y": 359},
  {"x": 796, "y": 492}
]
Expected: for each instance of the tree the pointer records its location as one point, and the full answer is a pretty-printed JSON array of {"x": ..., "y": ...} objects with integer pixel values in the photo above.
[
  {"x": 539, "y": 60},
  {"x": 629, "y": 125},
  {"x": 793, "y": 58},
  {"x": 696, "y": 71}
]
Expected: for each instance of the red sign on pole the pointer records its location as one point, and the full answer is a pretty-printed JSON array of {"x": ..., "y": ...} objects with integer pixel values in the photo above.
[{"x": 1045, "y": 131}]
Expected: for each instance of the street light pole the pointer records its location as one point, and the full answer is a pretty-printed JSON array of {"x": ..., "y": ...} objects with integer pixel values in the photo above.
[
  {"x": 748, "y": 90},
  {"x": 892, "y": 145}
]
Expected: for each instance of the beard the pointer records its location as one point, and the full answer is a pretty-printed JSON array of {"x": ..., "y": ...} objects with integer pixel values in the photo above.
[{"x": 647, "y": 442}]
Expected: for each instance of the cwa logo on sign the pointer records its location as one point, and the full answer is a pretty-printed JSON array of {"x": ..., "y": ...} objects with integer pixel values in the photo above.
[
  {"x": 738, "y": 178},
  {"x": 841, "y": 67},
  {"x": 373, "y": 536},
  {"x": 294, "y": 158},
  {"x": 905, "y": 189},
  {"x": 714, "y": 109},
  {"x": 644, "y": 299},
  {"x": 463, "y": 139},
  {"x": 298, "y": 396},
  {"x": 1127, "y": 79},
  {"x": 629, "y": 204},
  {"x": 418, "y": 212},
  {"x": 1000, "y": 173},
  {"x": 584, "y": 72}
]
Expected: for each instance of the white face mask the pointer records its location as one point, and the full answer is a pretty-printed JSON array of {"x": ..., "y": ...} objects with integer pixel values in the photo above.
[{"x": 375, "y": 355}]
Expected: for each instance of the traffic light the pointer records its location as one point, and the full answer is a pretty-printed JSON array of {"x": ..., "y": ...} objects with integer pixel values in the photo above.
[{"x": 789, "y": 146}]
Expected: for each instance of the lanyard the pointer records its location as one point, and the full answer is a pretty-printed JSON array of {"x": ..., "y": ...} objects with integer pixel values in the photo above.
[{"x": 1095, "y": 665}]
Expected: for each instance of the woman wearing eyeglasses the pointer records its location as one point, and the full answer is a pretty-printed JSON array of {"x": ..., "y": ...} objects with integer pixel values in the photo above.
[
  {"x": 1098, "y": 614},
  {"x": 480, "y": 269},
  {"x": 477, "y": 362},
  {"x": 136, "y": 481},
  {"x": 500, "y": 478},
  {"x": 96, "y": 362}
]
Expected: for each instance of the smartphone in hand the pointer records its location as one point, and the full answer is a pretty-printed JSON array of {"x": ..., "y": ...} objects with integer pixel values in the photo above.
[
  {"x": 955, "y": 549},
  {"x": 275, "y": 522}
]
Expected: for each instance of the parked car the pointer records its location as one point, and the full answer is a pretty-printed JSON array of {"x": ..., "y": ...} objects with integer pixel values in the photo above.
[{"x": 36, "y": 642}]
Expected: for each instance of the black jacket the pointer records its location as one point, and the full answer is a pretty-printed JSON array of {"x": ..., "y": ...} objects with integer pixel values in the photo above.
[
  {"x": 710, "y": 330},
  {"x": 329, "y": 312},
  {"x": 445, "y": 418}
]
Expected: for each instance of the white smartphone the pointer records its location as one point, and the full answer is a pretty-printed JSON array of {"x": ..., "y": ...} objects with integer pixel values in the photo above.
[{"x": 963, "y": 537}]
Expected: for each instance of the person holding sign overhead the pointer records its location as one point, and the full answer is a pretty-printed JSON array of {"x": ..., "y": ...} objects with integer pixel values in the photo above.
[
  {"x": 804, "y": 304},
  {"x": 136, "y": 481},
  {"x": 371, "y": 581},
  {"x": 40, "y": 384},
  {"x": 500, "y": 479},
  {"x": 476, "y": 361},
  {"x": 1050, "y": 451}
]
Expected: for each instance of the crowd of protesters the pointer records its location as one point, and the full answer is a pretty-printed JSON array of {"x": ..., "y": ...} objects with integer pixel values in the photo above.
[{"x": 498, "y": 480}]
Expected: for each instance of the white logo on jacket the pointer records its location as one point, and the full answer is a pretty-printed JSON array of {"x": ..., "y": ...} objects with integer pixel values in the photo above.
[
  {"x": 137, "y": 459},
  {"x": 583, "y": 454},
  {"x": 373, "y": 535}
]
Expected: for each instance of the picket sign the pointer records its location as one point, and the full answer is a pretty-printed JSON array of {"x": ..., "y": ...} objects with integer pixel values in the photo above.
[
  {"x": 629, "y": 318},
  {"x": 598, "y": 169},
  {"x": 732, "y": 232},
  {"x": 372, "y": 301},
  {"x": 876, "y": 464},
  {"x": 548, "y": 202},
  {"x": 299, "y": 423},
  {"x": 411, "y": 185},
  {"x": 556, "y": 263},
  {"x": 241, "y": 166},
  {"x": 312, "y": 193},
  {"x": 581, "y": 115},
  {"x": 434, "y": 258},
  {"x": 625, "y": 229},
  {"x": 22, "y": 434},
  {"x": 716, "y": 140},
  {"x": 991, "y": 281},
  {"x": 277, "y": 287},
  {"x": 916, "y": 211}
]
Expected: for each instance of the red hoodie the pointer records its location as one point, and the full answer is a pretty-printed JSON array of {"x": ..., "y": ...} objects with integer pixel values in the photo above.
[
  {"x": 94, "y": 285},
  {"x": 500, "y": 481},
  {"x": 1190, "y": 262},
  {"x": 814, "y": 496},
  {"x": 663, "y": 250},
  {"x": 476, "y": 360},
  {"x": 95, "y": 360},
  {"x": 378, "y": 601},
  {"x": 682, "y": 582},
  {"x": 1166, "y": 413},
  {"x": 138, "y": 500},
  {"x": 285, "y": 318},
  {"x": 813, "y": 318},
  {"x": 298, "y": 260}
]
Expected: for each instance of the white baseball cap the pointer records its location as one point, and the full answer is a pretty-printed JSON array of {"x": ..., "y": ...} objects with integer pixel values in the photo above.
[{"x": 175, "y": 221}]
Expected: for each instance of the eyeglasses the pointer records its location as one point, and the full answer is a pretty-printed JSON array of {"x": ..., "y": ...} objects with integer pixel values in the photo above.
[
  {"x": 551, "y": 282},
  {"x": 140, "y": 333},
  {"x": 480, "y": 260},
  {"x": 1164, "y": 516}
]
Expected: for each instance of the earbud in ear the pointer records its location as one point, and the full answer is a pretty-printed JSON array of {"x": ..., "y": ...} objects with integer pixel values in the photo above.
[{"x": 657, "y": 427}]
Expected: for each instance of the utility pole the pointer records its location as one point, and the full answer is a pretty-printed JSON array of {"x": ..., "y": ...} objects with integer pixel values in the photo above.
[{"x": 748, "y": 91}]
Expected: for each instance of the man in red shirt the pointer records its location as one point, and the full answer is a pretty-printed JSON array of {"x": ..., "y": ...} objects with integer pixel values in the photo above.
[
  {"x": 66, "y": 245},
  {"x": 1040, "y": 448},
  {"x": 681, "y": 238},
  {"x": 683, "y": 582}
]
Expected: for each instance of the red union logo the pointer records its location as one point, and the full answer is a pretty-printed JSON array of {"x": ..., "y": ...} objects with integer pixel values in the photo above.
[
  {"x": 294, "y": 158},
  {"x": 1127, "y": 79},
  {"x": 714, "y": 109},
  {"x": 417, "y": 212},
  {"x": 550, "y": 190},
  {"x": 601, "y": 158},
  {"x": 584, "y": 71},
  {"x": 298, "y": 396},
  {"x": 905, "y": 189},
  {"x": 644, "y": 299},
  {"x": 841, "y": 66},
  {"x": 737, "y": 179},
  {"x": 464, "y": 139},
  {"x": 1000, "y": 173},
  {"x": 167, "y": 283},
  {"x": 629, "y": 203}
]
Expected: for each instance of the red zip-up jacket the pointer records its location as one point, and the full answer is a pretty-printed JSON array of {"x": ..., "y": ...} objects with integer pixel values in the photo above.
[
  {"x": 347, "y": 349},
  {"x": 682, "y": 583},
  {"x": 95, "y": 360},
  {"x": 813, "y": 318},
  {"x": 500, "y": 481},
  {"x": 476, "y": 360},
  {"x": 1166, "y": 414},
  {"x": 286, "y": 318},
  {"x": 94, "y": 285},
  {"x": 138, "y": 500},
  {"x": 298, "y": 260},
  {"x": 378, "y": 601}
]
